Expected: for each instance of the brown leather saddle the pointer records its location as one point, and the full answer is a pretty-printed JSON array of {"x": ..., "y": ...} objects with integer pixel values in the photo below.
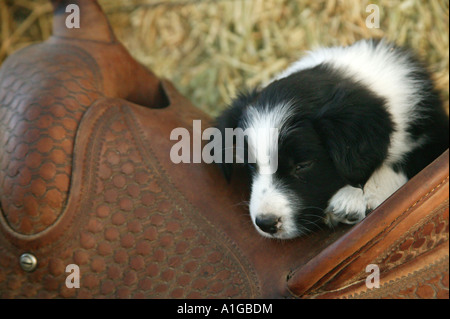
[{"x": 86, "y": 180}]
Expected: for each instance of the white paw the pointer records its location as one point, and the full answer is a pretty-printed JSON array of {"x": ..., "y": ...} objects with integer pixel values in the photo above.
[
  {"x": 350, "y": 205},
  {"x": 382, "y": 184},
  {"x": 347, "y": 206}
]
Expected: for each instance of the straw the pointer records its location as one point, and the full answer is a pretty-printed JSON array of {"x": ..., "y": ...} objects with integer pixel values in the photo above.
[{"x": 213, "y": 49}]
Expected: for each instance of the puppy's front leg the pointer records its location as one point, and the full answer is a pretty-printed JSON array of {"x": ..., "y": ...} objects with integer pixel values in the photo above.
[
  {"x": 382, "y": 184},
  {"x": 349, "y": 205}
]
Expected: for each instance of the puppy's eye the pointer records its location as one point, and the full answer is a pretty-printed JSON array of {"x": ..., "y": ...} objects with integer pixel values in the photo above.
[{"x": 302, "y": 166}]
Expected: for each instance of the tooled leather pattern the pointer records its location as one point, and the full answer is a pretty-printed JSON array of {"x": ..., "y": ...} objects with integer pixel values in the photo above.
[
  {"x": 430, "y": 282},
  {"x": 423, "y": 237},
  {"x": 44, "y": 91},
  {"x": 135, "y": 235},
  {"x": 432, "y": 233}
]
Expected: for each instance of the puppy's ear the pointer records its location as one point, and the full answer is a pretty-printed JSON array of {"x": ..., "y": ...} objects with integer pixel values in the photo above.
[
  {"x": 231, "y": 118},
  {"x": 355, "y": 128}
]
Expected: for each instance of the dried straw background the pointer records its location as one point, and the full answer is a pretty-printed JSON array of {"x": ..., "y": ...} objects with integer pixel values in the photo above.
[{"x": 211, "y": 49}]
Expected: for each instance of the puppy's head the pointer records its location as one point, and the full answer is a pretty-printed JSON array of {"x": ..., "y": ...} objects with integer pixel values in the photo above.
[{"x": 320, "y": 145}]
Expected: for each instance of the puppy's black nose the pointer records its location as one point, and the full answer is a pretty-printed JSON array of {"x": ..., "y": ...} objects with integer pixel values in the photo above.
[{"x": 268, "y": 223}]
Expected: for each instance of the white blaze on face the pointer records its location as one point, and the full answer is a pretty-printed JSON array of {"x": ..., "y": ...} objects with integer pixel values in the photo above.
[
  {"x": 268, "y": 197},
  {"x": 263, "y": 131}
]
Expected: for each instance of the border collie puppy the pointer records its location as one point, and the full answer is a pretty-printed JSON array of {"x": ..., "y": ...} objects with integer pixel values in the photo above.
[{"x": 355, "y": 123}]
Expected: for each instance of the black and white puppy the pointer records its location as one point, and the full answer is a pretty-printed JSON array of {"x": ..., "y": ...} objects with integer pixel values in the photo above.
[{"x": 355, "y": 123}]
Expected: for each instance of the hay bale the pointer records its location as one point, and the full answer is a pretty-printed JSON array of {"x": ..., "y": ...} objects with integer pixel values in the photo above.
[{"x": 212, "y": 49}]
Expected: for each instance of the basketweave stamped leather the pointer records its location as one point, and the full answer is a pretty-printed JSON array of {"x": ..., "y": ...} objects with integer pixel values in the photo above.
[
  {"x": 138, "y": 232},
  {"x": 38, "y": 130},
  {"x": 86, "y": 179}
]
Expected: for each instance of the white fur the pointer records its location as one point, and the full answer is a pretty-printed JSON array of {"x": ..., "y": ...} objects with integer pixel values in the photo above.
[
  {"x": 263, "y": 127},
  {"x": 349, "y": 204},
  {"x": 382, "y": 184},
  {"x": 267, "y": 197}
]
